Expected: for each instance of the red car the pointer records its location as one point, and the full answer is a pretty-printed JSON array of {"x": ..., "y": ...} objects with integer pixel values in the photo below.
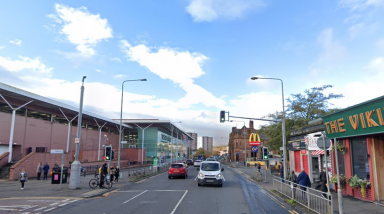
[{"x": 177, "y": 170}]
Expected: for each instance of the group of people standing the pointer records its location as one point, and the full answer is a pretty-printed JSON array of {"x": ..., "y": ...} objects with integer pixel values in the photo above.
[
  {"x": 114, "y": 174},
  {"x": 42, "y": 169}
]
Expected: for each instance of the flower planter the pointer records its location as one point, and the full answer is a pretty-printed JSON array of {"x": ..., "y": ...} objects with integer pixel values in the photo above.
[{"x": 368, "y": 194}]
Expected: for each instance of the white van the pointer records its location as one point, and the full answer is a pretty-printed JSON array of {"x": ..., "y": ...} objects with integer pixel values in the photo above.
[{"x": 210, "y": 172}]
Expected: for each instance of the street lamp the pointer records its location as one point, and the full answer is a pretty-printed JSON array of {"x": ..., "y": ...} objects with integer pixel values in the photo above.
[
  {"x": 283, "y": 123},
  {"x": 121, "y": 115},
  {"x": 245, "y": 145}
]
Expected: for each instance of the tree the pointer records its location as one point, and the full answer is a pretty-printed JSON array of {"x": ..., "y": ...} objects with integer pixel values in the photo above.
[
  {"x": 311, "y": 105},
  {"x": 201, "y": 151}
]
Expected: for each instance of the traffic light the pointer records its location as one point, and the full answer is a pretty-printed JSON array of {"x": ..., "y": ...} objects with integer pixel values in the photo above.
[
  {"x": 113, "y": 155},
  {"x": 178, "y": 154},
  {"x": 222, "y": 116},
  {"x": 108, "y": 152},
  {"x": 265, "y": 153}
]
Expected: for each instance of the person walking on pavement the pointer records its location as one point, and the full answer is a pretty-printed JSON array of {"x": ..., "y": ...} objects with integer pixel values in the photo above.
[
  {"x": 113, "y": 171},
  {"x": 103, "y": 173},
  {"x": 293, "y": 179},
  {"x": 117, "y": 174},
  {"x": 23, "y": 177},
  {"x": 281, "y": 172},
  {"x": 303, "y": 180},
  {"x": 258, "y": 167},
  {"x": 323, "y": 183},
  {"x": 39, "y": 170},
  {"x": 46, "y": 169}
]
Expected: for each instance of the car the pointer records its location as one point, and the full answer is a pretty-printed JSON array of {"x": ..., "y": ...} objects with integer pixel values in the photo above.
[
  {"x": 197, "y": 163},
  {"x": 177, "y": 170},
  {"x": 210, "y": 172},
  {"x": 190, "y": 162},
  {"x": 210, "y": 159}
]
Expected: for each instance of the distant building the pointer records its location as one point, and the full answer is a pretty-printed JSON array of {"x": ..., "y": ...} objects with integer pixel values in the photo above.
[
  {"x": 193, "y": 143},
  {"x": 207, "y": 143}
]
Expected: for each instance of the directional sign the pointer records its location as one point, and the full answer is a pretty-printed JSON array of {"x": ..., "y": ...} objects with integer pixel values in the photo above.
[
  {"x": 123, "y": 142},
  {"x": 57, "y": 151},
  {"x": 77, "y": 140},
  {"x": 255, "y": 149}
]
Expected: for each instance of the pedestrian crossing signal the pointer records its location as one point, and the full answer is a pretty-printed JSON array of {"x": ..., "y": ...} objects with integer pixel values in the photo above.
[
  {"x": 108, "y": 152},
  {"x": 265, "y": 153}
]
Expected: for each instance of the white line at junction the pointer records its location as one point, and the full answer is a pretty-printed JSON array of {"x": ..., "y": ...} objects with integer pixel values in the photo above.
[
  {"x": 174, "y": 209},
  {"x": 135, "y": 196}
]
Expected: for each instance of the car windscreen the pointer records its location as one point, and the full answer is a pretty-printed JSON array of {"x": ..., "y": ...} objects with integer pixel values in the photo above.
[
  {"x": 210, "y": 166},
  {"x": 176, "y": 166}
]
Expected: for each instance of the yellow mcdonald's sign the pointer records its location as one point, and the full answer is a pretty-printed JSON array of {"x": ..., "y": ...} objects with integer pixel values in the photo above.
[{"x": 254, "y": 139}]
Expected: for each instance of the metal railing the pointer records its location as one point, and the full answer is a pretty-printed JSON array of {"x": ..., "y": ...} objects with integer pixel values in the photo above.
[
  {"x": 137, "y": 173},
  {"x": 313, "y": 199}
]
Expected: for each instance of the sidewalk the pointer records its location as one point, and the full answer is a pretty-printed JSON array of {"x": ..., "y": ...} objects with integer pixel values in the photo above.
[
  {"x": 351, "y": 205},
  {"x": 44, "y": 188}
]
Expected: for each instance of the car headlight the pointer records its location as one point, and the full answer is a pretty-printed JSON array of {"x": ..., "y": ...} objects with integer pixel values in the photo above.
[
  {"x": 201, "y": 175},
  {"x": 219, "y": 175}
]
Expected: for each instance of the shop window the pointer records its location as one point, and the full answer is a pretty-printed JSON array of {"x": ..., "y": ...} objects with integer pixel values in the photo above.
[
  {"x": 360, "y": 164},
  {"x": 340, "y": 160},
  {"x": 237, "y": 145}
]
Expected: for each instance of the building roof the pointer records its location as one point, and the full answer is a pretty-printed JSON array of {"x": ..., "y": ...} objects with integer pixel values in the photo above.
[
  {"x": 19, "y": 96},
  {"x": 166, "y": 124}
]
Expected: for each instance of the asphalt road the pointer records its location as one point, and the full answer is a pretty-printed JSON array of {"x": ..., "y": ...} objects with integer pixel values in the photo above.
[{"x": 182, "y": 196}]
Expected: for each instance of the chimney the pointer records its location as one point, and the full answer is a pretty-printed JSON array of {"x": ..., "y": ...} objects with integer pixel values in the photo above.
[{"x": 251, "y": 125}]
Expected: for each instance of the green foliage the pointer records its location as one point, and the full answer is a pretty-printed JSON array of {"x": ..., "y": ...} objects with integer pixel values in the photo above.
[
  {"x": 201, "y": 151},
  {"x": 354, "y": 181}
]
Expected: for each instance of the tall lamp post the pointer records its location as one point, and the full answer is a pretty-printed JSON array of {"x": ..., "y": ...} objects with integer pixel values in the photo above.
[
  {"x": 245, "y": 144},
  {"x": 121, "y": 116},
  {"x": 74, "y": 180},
  {"x": 283, "y": 123}
]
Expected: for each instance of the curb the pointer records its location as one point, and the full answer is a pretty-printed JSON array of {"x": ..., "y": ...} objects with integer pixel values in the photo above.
[{"x": 96, "y": 192}]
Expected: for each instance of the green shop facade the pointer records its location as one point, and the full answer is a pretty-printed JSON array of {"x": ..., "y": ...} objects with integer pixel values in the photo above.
[
  {"x": 359, "y": 135},
  {"x": 162, "y": 140}
]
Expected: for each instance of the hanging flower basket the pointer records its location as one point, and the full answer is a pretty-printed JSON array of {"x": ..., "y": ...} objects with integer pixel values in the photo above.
[
  {"x": 340, "y": 147},
  {"x": 365, "y": 184},
  {"x": 354, "y": 181}
]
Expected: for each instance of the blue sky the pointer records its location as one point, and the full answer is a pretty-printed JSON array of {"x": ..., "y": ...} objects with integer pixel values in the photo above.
[{"x": 197, "y": 55}]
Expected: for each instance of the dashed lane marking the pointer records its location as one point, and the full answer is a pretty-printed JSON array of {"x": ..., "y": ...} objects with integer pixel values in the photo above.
[
  {"x": 47, "y": 210},
  {"x": 41, "y": 208}
]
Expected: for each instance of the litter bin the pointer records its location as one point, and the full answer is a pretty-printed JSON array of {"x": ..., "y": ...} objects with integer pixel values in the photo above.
[{"x": 56, "y": 171}]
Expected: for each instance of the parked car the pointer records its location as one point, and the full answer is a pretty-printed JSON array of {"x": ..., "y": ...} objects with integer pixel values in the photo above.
[
  {"x": 190, "y": 162},
  {"x": 197, "y": 163},
  {"x": 177, "y": 170},
  {"x": 210, "y": 173}
]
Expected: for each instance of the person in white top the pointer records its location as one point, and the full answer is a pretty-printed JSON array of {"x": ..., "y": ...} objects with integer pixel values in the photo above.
[{"x": 23, "y": 177}]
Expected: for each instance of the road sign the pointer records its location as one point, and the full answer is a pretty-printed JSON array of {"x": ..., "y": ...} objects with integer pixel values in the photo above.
[
  {"x": 243, "y": 151},
  {"x": 281, "y": 148},
  {"x": 57, "y": 151},
  {"x": 255, "y": 149},
  {"x": 77, "y": 140},
  {"x": 124, "y": 142}
]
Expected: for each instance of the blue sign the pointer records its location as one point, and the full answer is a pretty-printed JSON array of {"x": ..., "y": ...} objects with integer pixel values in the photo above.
[
  {"x": 255, "y": 149},
  {"x": 237, "y": 153}
]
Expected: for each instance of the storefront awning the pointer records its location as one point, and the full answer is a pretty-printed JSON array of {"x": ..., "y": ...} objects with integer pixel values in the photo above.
[{"x": 317, "y": 152}]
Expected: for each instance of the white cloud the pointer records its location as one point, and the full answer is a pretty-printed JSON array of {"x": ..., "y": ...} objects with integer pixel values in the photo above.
[
  {"x": 81, "y": 28},
  {"x": 16, "y": 42},
  {"x": 360, "y": 4},
  {"x": 376, "y": 65},
  {"x": 99, "y": 71},
  {"x": 332, "y": 50},
  {"x": 116, "y": 59},
  {"x": 361, "y": 29},
  {"x": 26, "y": 66},
  {"x": 118, "y": 76},
  {"x": 1, "y": 48},
  {"x": 209, "y": 10},
  {"x": 179, "y": 67}
]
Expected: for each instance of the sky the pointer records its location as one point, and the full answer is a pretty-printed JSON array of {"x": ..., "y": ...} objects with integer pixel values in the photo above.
[{"x": 197, "y": 55}]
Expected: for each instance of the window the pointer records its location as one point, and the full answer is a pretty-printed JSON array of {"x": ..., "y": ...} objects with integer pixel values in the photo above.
[
  {"x": 340, "y": 159},
  {"x": 360, "y": 164},
  {"x": 237, "y": 145},
  {"x": 177, "y": 166},
  {"x": 210, "y": 167}
]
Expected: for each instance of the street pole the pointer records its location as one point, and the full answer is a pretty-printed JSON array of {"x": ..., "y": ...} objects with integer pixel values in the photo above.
[
  {"x": 339, "y": 193},
  {"x": 74, "y": 182},
  {"x": 326, "y": 163},
  {"x": 283, "y": 123},
  {"x": 121, "y": 117},
  {"x": 245, "y": 148}
]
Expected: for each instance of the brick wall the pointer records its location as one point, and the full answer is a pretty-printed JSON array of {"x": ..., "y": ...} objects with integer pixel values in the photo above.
[
  {"x": 30, "y": 162},
  {"x": 4, "y": 159},
  {"x": 368, "y": 194}
]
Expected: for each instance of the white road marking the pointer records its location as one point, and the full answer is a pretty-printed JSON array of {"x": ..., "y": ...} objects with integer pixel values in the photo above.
[
  {"x": 174, "y": 209},
  {"x": 168, "y": 190},
  {"x": 223, "y": 178},
  {"x": 63, "y": 204},
  {"x": 135, "y": 196},
  {"x": 196, "y": 177},
  {"x": 131, "y": 191},
  {"x": 54, "y": 204},
  {"x": 41, "y": 208},
  {"x": 50, "y": 209}
]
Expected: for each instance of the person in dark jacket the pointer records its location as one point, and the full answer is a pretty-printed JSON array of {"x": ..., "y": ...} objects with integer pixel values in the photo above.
[
  {"x": 293, "y": 179},
  {"x": 258, "y": 166},
  {"x": 117, "y": 174},
  {"x": 303, "y": 180},
  {"x": 46, "y": 170},
  {"x": 103, "y": 173},
  {"x": 323, "y": 182},
  {"x": 281, "y": 171}
]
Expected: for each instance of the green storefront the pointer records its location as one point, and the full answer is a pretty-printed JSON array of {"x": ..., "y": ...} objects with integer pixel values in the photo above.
[{"x": 359, "y": 133}]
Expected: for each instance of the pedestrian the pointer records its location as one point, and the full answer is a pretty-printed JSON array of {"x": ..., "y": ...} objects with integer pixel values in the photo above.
[
  {"x": 113, "y": 171},
  {"x": 323, "y": 182},
  {"x": 39, "y": 170},
  {"x": 46, "y": 170},
  {"x": 258, "y": 166},
  {"x": 293, "y": 179},
  {"x": 303, "y": 180},
  {"x": 23, "y": 177},
  {"x": 103, "y": 173},
  {"x": 117, "y": 174},
  {"x": 281, "y": 172}
]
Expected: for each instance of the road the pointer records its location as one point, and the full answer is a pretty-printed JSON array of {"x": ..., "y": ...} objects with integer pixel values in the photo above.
[{"x": 182, "y": 196}]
